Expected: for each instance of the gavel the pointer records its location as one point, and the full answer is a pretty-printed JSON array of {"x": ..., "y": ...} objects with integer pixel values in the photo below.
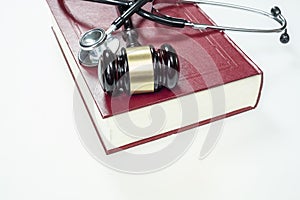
[{"x": 140, "y": 69}]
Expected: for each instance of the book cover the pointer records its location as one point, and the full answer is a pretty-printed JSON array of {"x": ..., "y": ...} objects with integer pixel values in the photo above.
[{"x": 208, "y": 60}]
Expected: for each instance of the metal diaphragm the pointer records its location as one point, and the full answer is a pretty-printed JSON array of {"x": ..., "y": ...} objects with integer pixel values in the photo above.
[
  {"x": 92, "y": 39},
  {"x": 92, "y": 44}
]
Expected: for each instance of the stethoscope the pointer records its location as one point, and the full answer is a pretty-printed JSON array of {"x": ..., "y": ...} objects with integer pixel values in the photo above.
[{"x": 95, "y": 38}]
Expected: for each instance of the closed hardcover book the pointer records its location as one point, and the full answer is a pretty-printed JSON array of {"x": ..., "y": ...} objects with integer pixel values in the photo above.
[{"x": 216, "y": 80}]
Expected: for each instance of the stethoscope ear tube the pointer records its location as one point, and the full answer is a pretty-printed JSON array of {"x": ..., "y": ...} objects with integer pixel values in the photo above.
[{"x": 275, "y": 15}]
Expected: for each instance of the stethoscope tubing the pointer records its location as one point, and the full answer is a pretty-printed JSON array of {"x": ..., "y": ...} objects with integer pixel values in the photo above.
[{"x": 165, "y": 20}]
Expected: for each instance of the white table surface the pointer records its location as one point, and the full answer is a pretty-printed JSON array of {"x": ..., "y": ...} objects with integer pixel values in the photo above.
[{"x": 43, "y": 157}]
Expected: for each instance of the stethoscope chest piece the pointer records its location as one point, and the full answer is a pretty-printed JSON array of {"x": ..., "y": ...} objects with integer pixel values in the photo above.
[
  {"x": 92, "y": 39},
  {"x": 92, "y": 44}
]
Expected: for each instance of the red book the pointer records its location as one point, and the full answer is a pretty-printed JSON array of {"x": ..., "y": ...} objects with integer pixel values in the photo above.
[{"x": 216, "y": 78}]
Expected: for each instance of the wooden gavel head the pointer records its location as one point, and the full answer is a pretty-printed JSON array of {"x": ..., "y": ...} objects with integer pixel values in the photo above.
[{"x": 139, "y": 69}]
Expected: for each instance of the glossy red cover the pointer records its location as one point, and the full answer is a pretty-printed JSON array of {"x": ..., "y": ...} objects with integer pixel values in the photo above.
[{"x": 207, "y": 58}]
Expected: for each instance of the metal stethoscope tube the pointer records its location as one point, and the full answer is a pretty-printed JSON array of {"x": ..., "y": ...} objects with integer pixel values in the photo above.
[{"x": 275, "y": 15}]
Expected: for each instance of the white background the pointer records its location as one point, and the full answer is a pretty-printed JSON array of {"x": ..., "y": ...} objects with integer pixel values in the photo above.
[{"x": 42, "y": 157}]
